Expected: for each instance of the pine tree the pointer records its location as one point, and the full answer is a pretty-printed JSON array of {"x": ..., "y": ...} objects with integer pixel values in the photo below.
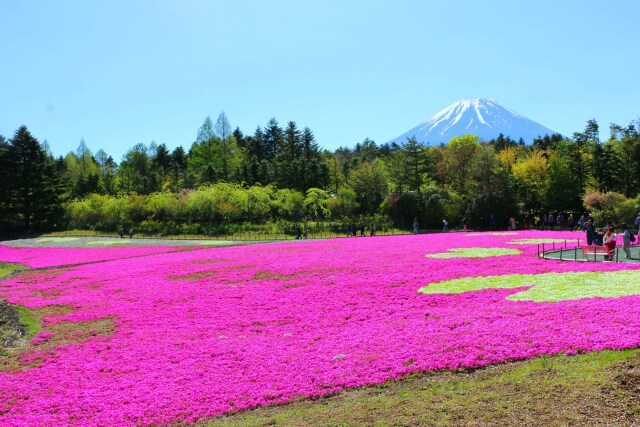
[
  {"x": 178, "y": 169},
  {"x": 289, "y": 158},
  {"x": 273, "y": 140},
  {"x": 34, "y": 194},
  {"x": 134, "y": 170},
  {"x": 7, "y": 190},
  {"x": 239, "y": 136},
  {"x": 314, "y": 170},
  {"x": 161, "y": 165},
  {"x": 416, "y": 163}
]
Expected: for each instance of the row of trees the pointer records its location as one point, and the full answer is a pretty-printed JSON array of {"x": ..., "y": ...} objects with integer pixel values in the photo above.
[
  {"x": 464, "y": 178},
  {"x": 288, "y": 157}
]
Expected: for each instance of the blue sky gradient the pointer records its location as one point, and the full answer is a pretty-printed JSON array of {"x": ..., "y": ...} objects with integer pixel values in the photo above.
[{"x": 118, "y": 73}]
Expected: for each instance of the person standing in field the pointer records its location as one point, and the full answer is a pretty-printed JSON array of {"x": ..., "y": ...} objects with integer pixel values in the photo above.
[
  {"x": 590, "y": 228},
  {"x": 626, "y": 241},
  {"x": 582, "y": 222},
  {"x": 571, "y": 222},
  {"x": 609, "y": 241},
  {"x": 416, "y": 226}
]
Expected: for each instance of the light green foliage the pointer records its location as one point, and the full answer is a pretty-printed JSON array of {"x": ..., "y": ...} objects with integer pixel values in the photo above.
[
  {"x": 258, "y": 201},
  {"x": 548, "y": 287},
  {"x": 208, "y": 206},
  {"x": 288, "y": 204},
  {"x": 344, "y": 204},
  {"x": 98, "y": 211},
  {"x": 315, "y": 203},
  {"x": 531, "y": 174},
  {"x": 460, "y": 156},
  {"x": 370, "y": 181},
  {"x": 475, "y": 253},
  {"x": 164, "y": 205}
]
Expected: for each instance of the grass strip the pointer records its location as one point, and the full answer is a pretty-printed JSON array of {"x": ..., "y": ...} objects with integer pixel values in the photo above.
[{"x": 598, "y": 388}]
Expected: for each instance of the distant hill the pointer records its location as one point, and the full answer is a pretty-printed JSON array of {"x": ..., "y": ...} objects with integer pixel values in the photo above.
[{"x": 479, "y": 116}]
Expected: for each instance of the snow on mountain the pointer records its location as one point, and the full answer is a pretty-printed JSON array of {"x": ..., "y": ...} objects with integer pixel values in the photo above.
[{"x": 479, "y": 116}]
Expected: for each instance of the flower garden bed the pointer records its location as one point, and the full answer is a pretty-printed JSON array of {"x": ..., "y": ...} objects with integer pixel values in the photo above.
[{"x": 197, "y": 334}]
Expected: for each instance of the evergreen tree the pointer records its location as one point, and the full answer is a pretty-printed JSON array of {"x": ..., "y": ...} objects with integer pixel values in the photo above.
[
  {"x": 416, "y": 163},
  {"x": 610, "y": 166},
  {"x": 34, "y": 194},
  {"x": 273, "y": 140},
  {"x": 239, "y": 136},
  {"x": 578, "y": 151},
  {"x": 178, "y": 169},
  {"x": 161, "y": 166},
  {"x": 314, "y": 170},
  {"x": 135, "y": 170},
  {"x": 627, "y": 165},
  {"x": 502, "y": 142},
  {"x": 7, "y": 189},
  {"x": 289, "y": 158}
]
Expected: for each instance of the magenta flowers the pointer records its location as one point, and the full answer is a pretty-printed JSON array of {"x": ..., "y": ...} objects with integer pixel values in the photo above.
[{"x": 201, "y": 333}]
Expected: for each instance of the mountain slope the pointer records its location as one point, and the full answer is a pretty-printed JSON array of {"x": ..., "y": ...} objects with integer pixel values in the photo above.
[{"x": 479, "y": 116}]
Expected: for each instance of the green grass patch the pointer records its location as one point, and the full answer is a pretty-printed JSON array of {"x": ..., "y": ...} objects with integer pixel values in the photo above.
[
  {"x": 30, "y": 321},
  {"x": 56, "y": 239},
  {"x": 113, "y": 242},
  {"x": 548, "y": 287},
  {"x": 8, "y": 268},
  {"x": 475, "y": 253},
  {"x": 215, "y": 242},
  {"x": 590, "y": 389}
]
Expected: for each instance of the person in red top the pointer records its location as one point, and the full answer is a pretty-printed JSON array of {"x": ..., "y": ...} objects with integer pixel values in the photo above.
[{"x": 609, "y": 241}]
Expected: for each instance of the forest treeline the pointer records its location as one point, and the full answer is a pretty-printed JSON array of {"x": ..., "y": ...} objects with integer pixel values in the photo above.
[{"x": 278, "y": 176}]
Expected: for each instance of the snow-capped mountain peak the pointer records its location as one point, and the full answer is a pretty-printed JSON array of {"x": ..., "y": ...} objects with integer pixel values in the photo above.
[{"x": 478, "y": 116}]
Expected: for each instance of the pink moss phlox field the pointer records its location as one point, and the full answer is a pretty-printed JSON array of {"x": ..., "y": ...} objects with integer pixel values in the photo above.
[
  {"x": 202, "y": 333},
  {"x": 52, "y": 257}
]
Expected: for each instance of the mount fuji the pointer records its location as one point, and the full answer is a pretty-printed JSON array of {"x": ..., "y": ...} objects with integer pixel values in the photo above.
[{"x": 479, "y": 116}]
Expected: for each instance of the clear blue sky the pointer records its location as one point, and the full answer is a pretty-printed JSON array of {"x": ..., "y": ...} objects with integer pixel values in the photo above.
[{"x": 118, "y": 73}]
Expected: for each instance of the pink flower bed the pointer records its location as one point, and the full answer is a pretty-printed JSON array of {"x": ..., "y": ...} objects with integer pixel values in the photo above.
[
  {"x": 51, "y": 257},
  {"x": 203, "y": 333}
]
